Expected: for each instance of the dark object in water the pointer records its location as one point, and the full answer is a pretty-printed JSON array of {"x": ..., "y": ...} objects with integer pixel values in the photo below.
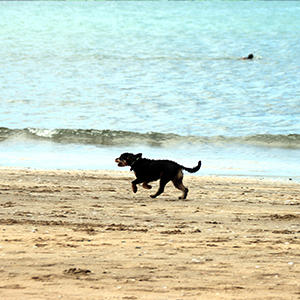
[{"x": 250, "y": 56}]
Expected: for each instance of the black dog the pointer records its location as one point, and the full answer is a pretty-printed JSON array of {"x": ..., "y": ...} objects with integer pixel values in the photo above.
[{"x": 147, "y": 170}]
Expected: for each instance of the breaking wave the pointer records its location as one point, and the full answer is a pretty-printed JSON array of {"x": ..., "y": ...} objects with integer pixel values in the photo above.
[{"x": 153, "y": 139}]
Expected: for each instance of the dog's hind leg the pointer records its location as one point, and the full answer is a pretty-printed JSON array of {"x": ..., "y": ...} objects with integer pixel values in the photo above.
[
  {"x": 161, "y": 188},
  {"x": 177, "y": 181}
]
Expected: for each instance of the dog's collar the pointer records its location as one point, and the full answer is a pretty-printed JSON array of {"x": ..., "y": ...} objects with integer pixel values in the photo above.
[{"x": 131, "y": 169}]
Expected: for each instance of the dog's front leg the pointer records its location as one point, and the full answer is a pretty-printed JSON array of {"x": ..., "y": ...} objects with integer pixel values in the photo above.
[
  {"x": 147, "y": 186},
  {"x": 134, "y": 187},
  {"x": 134, "y": 184}
]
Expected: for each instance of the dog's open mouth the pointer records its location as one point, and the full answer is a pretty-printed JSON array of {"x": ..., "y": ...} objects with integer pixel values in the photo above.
[{"x": 121, "y": 163}]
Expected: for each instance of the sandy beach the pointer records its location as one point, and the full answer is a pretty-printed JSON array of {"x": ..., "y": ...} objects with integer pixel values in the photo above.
[{"x": 85, "y": 235}]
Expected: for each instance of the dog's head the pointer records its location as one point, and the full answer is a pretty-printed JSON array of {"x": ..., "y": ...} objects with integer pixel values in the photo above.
[{"x": 127, "y": 159}]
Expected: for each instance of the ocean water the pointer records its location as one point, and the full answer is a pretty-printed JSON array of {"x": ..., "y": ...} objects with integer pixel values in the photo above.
[{"x": 83, "y": 81}]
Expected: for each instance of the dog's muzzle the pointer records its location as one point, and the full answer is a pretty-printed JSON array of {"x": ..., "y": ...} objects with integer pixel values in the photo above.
[{"x": 121, "y": 163}]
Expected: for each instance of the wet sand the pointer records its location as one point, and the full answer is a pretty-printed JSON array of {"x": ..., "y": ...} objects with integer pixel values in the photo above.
[{"x": 85, "y": 235}]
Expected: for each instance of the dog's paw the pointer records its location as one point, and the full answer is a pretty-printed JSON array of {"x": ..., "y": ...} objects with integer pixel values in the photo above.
[
  {"x": 147, "y": 186},
  {"x": 153, "y": 196}
]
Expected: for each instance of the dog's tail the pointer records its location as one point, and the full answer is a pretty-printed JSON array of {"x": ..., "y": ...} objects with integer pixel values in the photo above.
[{"x": 193, "y": 170}]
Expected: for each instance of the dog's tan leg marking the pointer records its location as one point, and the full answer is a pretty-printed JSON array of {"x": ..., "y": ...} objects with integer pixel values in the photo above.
[
  {"x": 147, "y": 186},
  {"x": 179, "y": 185}
]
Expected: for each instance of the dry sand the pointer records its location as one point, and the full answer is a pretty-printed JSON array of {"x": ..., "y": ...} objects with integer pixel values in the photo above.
[{"x": 85, "y": 235}]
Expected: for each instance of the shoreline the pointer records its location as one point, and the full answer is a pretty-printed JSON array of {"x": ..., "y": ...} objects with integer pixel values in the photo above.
[
  {"x": 270, "y": 178},
  {"x": 77, "y": 234},
  {"x": 222, "y": 160}
]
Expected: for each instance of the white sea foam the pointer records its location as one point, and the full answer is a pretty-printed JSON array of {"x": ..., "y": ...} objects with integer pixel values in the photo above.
[{"x": 167, "y": 73}]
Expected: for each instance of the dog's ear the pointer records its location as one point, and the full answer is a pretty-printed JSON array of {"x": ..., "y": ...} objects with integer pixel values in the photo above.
[{"x": 139, "y": 155}]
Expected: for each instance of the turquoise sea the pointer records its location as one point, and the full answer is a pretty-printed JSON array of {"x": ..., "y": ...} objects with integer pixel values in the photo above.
[{"x": 83, "y": 81}]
